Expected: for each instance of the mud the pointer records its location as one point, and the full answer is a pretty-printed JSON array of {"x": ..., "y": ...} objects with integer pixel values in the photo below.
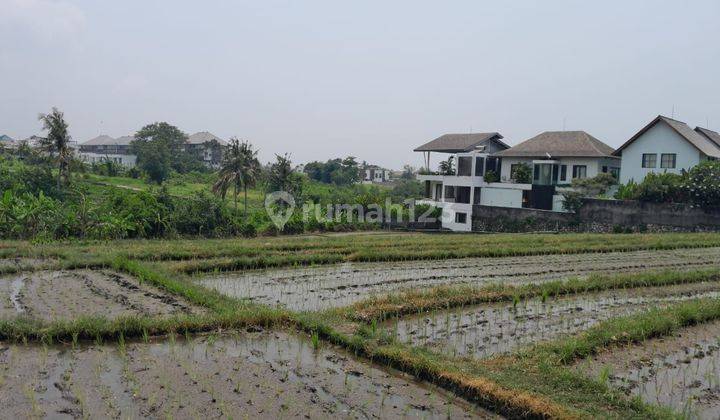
[
  {"x": 492, "y": 329},
  {"x": 681, "y": 371},
  {"x": 342, "y": 284},
  {"x": 246, "y": 375},
  {"x": 53, "y": 295}
]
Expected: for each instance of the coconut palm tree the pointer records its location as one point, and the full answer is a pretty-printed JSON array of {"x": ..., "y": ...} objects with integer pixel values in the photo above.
[
  {"x": 240, "y": 167},
  {"x": 57, "y": 142},
  {"x": 447, "y": 166}
]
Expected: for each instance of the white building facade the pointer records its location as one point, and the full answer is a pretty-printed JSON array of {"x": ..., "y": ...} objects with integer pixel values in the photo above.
[{"x": 665, "y": 146}]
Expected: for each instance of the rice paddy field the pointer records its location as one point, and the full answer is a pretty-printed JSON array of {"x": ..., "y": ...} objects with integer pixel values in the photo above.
[{"x": 364, "y": 325}]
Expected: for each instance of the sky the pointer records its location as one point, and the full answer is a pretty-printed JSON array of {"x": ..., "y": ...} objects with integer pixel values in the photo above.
[{"x": 370, "y": 79}]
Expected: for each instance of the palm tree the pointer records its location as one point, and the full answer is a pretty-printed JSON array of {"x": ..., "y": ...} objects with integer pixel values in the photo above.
[
  {"x": 240, "y": 167},
  {"x": 447, "y": 167},
  {"x": 58, "y": 141}
]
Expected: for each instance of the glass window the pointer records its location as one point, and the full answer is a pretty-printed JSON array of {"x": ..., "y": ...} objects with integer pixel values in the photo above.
[
  {"x": 463, "y": 195},
  {"x": 449, "y": 193},
  {"x": 649, "y": 160},
  {"x": 460, "y": 217},
  {"x": 563, "y": 172},
  {"x": 479, "y": 166},
  {"x": 476, "y": 195},
  {"x": 464, "y": 166},
  {"x": 667, "y": 160},
  {"x": 579, "y": 171}
]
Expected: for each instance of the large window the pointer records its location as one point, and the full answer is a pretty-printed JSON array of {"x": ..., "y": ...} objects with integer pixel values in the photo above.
[
  {"x": 579, "y": 171},
  {"x": 464, "y": 166},
  {"x": 463, "y": 195},
  {"x": 667, "y": 160},
  {"x": 449, "y": 193},
  {"x": 479, "y": 166},
  {"x": 649, "y": 160},
  {"x": 563, "y": 172}
]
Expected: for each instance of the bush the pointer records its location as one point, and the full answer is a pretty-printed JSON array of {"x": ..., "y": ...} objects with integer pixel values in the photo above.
[
  {"x": 595, "y": 186},
  {"x": 522, "y": 174},
  {"x": 572, "y": 201},
  {"x": 662, "y": 188},
  {"x": 702, "y": 184}
]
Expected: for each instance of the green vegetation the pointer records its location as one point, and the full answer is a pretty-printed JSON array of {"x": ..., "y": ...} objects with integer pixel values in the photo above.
[{"x": 700, "y": 186}]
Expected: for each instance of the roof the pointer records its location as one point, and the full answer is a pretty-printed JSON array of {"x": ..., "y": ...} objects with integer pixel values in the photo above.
[
  {"x": 104, "y": 140},
  {"x": 456, "y": 143},
  {"x": 559, "y": 144},
  {"x": 5, "y": 137},
  {"x": 204, "y": 137},
  {"x": 700, "y": 141},
  {"x": 713, "y": 136}
]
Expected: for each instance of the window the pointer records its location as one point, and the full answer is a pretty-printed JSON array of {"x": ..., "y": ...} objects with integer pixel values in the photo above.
[
  {"x": 464, "y": 166},
  {"x": 536, "y": 172},
  {"x": 579, "y": 171},
  {"x": 667, "y": 160},
  {"x": 479, "y": 166},
  {"x": 476, "y": 195},
  {"x": 615, "y": 172},
  {"x": 449, "y": 193},
  {"x": 460, "y": 217},
  {"x": 563, "y": 172},
  {"x": 463, "y": 195},
  {"x": 649, "y": 160}
]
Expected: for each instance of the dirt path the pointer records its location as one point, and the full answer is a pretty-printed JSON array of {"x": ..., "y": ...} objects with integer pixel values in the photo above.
[
  {"x": 341, "y": 285},
  {"x": 53, "y": 295},
  {"x": 251, "y": 374}
]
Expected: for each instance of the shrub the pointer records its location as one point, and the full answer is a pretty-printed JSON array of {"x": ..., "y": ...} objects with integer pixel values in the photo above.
[
  {"x": 522, "y": 174},
  {"x": 702, "y": 184},
  {"x": 491, "y": 176},
  {"x": 662, "y": 188},
  {"x": 572, "y": 201},
  {"x": 595, "y": 186}
]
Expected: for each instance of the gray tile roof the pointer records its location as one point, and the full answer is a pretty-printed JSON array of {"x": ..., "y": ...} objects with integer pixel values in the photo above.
[
  {"x": 713, "y": 136},
  {"x": 204, "y": 137},
  {"x": 701, "y": 142},
  {"x": 456, "y": 143},
  {"x": 559, "y": 144},
  {"x": 105, "y": 140}
]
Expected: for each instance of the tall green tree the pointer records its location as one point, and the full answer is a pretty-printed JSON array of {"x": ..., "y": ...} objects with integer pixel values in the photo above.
[
  {"x": 281, "y": 177},
  {"x": 57, "y": 143},
  {"x": 163, "y": 140},
  {"x": 240, "y": 168}
]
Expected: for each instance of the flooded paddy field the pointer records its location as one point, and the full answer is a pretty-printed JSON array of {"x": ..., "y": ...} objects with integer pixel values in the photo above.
[
  {"x": 249, "y": 374},
  {"x": 681, "y": 371},
  {"x": 491, "y": 329},
  {"x": 343, "y": 284},
  {"x": 53, "y": 295}
]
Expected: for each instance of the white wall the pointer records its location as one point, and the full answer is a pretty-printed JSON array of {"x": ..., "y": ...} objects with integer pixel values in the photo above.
[
  {"x": 501, "y": 197},
  {"x": 659, "y": 139},
  {"x": 127, "y": 161},
  {"x": 594, "y": 166}
]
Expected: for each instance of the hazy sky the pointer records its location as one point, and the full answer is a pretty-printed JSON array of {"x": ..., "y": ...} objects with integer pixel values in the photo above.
[{"x": 373, "y": 79}]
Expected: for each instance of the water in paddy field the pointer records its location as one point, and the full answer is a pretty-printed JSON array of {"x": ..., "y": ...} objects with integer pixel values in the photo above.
[
  {"x": 681, "y": 371},
  {"x": 492, "y": 329},
  {"x": 270, "y": 374},
  {"x": 339, "y": 285}
]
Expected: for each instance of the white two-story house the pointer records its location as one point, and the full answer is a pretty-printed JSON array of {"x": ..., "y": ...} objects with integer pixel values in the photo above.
[
  {"x": 666, "y": 145},
  {"x": 458, "y": 191},
  {"x": 485, "y": 167}
]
